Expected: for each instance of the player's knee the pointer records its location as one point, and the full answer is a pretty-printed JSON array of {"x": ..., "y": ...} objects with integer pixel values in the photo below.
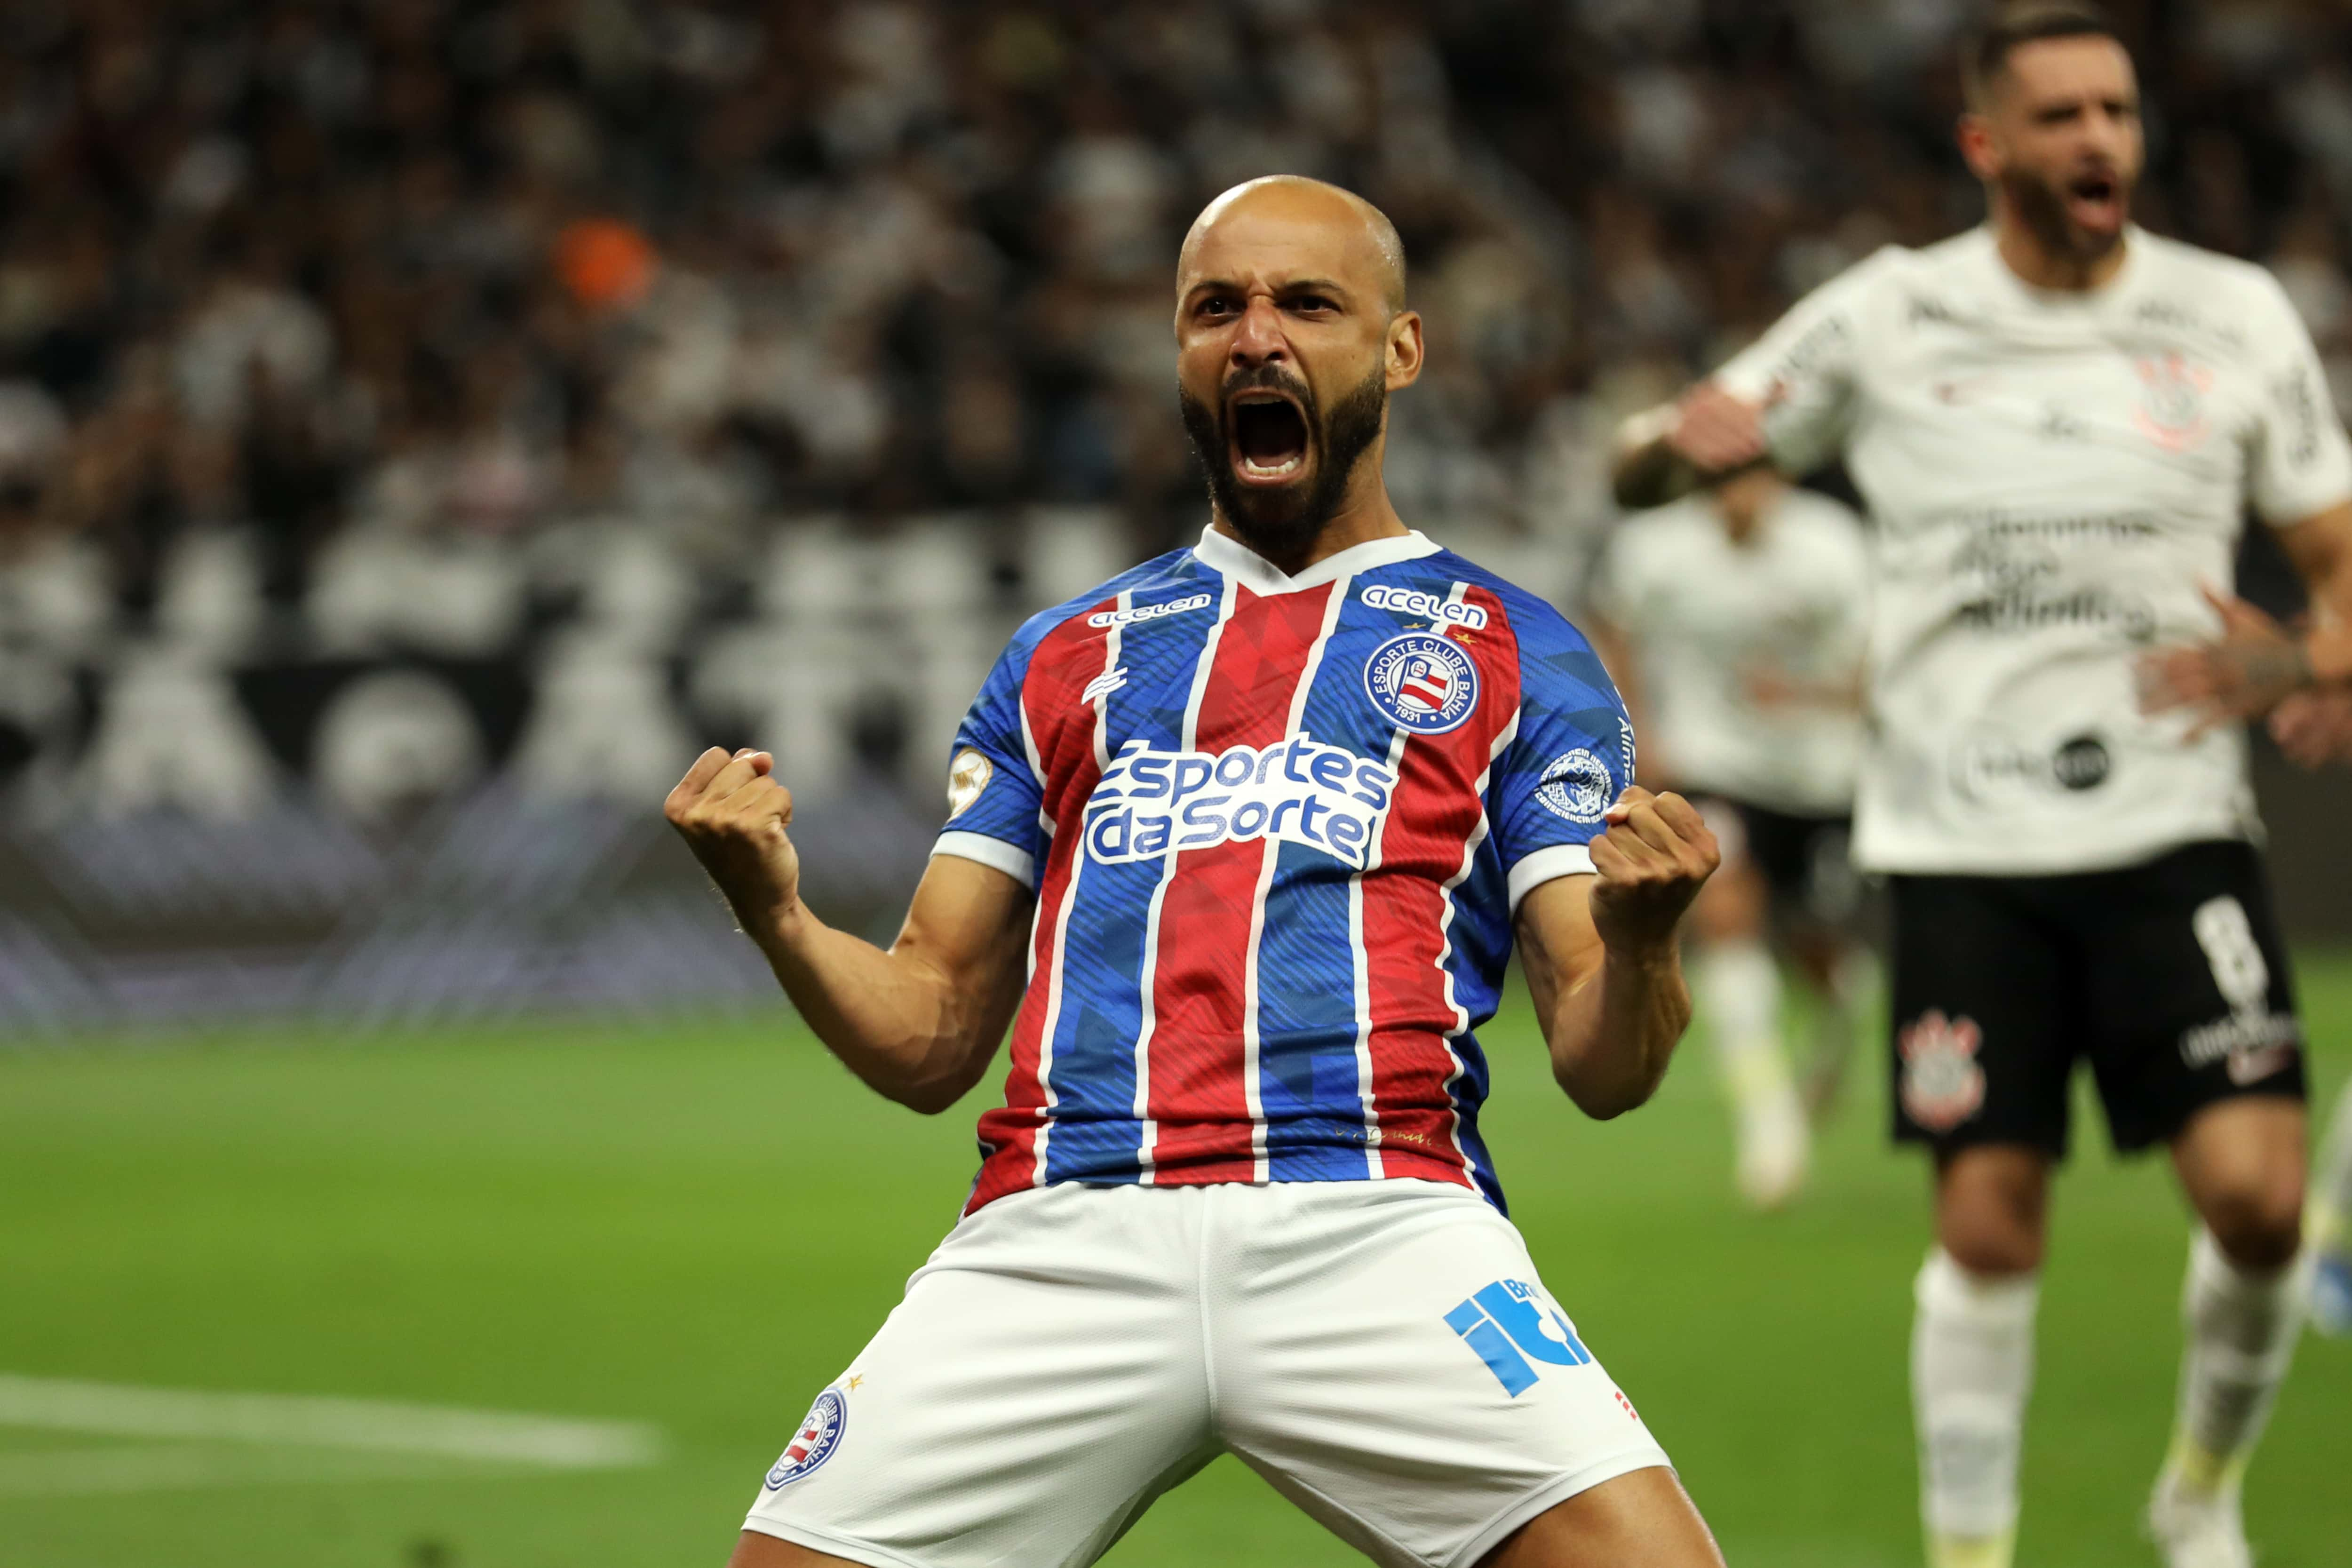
[
  {"x": 1991, "y": 1207},
  {"x": 1992, "y": 1250},
  {"x": 2257, "y": 1225}
]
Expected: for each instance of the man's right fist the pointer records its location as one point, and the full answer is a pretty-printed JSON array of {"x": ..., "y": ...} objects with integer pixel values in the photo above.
[
  {"x": 734, "y": 815},
  {"x": 1716, "y": 432}
]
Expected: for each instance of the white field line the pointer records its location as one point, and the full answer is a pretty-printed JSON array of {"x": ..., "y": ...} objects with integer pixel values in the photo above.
[
  {"x": 133, "y": 1467},
  {"x": 301, "y": 1421}
]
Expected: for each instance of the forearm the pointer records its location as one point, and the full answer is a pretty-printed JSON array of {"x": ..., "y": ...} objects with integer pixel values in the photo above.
[
  {"x": 1613, "y": 1034},
  {"x": 2330, "y": 651},
  {"x": 1643, "y": 468},
  {"x": 898, "y": 1021}
]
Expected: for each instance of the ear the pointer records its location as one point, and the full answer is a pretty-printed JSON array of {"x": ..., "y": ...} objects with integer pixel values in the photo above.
[
  {"x": 1978, "y": 148},
  {"x": 1404, "y": 351}
]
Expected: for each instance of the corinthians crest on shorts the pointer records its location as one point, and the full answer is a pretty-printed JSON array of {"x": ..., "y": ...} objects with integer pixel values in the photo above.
[{"x": 1943, "y": 1083}]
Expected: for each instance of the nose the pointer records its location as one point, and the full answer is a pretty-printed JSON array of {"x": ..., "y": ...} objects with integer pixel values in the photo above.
[{"x": 1258, "y": 339}]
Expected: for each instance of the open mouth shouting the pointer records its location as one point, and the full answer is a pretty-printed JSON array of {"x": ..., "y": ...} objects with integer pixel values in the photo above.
[
  {"x": 1266, "y": 436},
  {"x": 2094, "y": 201}
]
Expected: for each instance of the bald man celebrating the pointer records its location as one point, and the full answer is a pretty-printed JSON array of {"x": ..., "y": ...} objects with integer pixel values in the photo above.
[{"x": 1238, "y": 845}]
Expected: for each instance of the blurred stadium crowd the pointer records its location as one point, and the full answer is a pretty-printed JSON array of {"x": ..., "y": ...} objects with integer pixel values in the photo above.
[{"x": 404, "y": 399}]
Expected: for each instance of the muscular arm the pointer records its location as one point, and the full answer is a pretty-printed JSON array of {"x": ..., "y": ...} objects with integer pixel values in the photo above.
[
  {"x": 1603, "y": 956},
  {"x": 919, "y": 1022},
  {"x": 1705, "y": 433}
]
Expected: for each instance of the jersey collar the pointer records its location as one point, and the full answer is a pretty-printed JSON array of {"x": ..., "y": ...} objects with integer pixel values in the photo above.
[{"x": 1263, "y": 578}]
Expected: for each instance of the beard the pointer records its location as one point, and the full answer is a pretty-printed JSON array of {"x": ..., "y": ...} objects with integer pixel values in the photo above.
[
  {"x": 2042, "y": 205},
  {"x": 1280, "y": 523}
]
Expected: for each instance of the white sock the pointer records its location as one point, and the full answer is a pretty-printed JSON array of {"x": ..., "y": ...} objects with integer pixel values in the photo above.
[
  {"x": 1739, "y": 986},
  {"x": 2242, "y": 1328},
  {"x": 1971, "y": 1368},
  {"x": 2331, "y": 1194}
]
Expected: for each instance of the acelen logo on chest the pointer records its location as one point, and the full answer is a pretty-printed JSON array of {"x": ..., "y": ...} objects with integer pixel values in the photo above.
[{"x": 1298, "y": 790}]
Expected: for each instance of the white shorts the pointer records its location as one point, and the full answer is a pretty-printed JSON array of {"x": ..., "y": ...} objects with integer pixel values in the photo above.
[{"x": 1381, "y": 1352}]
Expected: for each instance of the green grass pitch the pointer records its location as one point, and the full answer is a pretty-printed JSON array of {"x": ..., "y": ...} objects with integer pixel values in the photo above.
[{"x": 696, "y": 1225}]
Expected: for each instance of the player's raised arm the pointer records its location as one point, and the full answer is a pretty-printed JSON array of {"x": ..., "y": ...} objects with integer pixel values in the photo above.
[
  {"x": 1708, "y": 431},
  {"x": 1603, "y": 953},
  {"x": 917, "y": 1022}
]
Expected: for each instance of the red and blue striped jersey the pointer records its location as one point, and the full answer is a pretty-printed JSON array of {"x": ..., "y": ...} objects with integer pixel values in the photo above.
[{"x": 1277, "y": 828}]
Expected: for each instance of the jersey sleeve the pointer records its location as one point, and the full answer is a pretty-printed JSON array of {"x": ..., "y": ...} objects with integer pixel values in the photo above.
[
  {"x": 994, "y": 796},
  {"x": 1571, "y": 758},
  {"x": 2299, "y": 463},
  {"x": 1803, "y": 369}
]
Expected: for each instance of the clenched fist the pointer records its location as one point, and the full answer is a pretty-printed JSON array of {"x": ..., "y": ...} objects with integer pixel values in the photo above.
[
  {"x": 1716, "y": 432},
  {"x": 1651, "y": 861},
  {"x": 734, "y": 815}
]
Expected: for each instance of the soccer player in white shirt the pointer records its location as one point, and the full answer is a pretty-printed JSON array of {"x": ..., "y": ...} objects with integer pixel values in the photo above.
[
  {"x": 2056, "y": 420},
  {"x": 1734, "y": 620}
]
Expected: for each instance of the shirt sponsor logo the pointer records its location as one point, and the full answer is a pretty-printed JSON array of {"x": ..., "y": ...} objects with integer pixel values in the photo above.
[
  {"x": 1149, "y": 612},
  {"x": 1298, "y": 790},
  {"x": 1428, "y": 607},
  {"x": 1992, "y": 767},
  {"x": 1943, "y": 1083},
  {"x": 968, "y": 775},
  {"x": 1576, "y": 785},
  {"x": 1423, "y": 682},
  {"x": 819, "y": 1436}
]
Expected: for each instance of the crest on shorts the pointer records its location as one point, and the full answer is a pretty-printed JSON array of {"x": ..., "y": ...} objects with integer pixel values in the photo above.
[
  {"x": 819, "y": 1435},
  {"x": 1423, "y": 682},
  {"x": 2171, "y": 412},
  {"x": 1943, "y": 1083},
  {"x": 1576, "y": 785}
]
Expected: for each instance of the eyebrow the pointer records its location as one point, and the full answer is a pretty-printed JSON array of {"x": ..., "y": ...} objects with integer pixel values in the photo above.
[{"x": 1290, "y": 286}]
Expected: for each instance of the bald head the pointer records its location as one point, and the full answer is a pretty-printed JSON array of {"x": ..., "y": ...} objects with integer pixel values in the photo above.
[{"x": 1352, "y": 238}]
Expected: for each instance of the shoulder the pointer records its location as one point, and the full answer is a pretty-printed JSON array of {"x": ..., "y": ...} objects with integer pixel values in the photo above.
[
  {"x": 1176, "y": 569},
  {"x": 1551, "y": 651},
  {"x": 2222, "y": 290}
]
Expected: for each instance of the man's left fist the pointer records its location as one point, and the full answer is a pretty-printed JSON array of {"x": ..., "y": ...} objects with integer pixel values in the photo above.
[{"x": 1652, "y": 860}]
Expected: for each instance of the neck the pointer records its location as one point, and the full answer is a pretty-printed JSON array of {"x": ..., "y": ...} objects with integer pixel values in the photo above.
[
  {"x": 1364, "y": 515},
  {"x": 2047, "y": 267}
]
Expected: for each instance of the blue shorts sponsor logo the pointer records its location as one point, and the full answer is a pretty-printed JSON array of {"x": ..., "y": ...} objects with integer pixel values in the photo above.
[
  {"x": 1424, "y": 682},
  {"x": 1298, "y": 790},
  {"x": 1509, "y": 1324},
  {"x": 819, "y": 1435}
]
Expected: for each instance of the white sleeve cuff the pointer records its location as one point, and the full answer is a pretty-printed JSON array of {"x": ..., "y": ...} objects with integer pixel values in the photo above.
[
  {"x": 1547, "y": 865},
  {"x": 1017, "y": 864}
]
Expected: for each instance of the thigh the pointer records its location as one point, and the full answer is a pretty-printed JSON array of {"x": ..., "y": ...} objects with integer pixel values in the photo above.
[
  {"x": 1644, "y": 1520},
  {"x": 1987, "y": 1016},
  {"x": 2191, "y": 998},
  {"x": 1389, "y": 1359},
  {"x": 1039, "y": 1385}
]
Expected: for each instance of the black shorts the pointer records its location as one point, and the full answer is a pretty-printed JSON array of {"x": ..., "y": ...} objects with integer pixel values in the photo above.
[
  {"x": 2169, "y": 977},
  {"x": 1804, "y": 860}
]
